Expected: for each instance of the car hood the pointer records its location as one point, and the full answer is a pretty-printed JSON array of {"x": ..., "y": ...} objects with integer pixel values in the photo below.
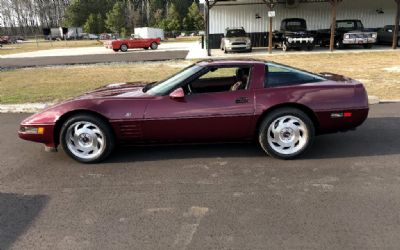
[
  {"x": 297, "y": 33},
  {"x": 117, "y": 90}
]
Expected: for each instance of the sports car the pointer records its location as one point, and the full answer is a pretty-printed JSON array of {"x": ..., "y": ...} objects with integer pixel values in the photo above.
[{"x": 280, "y": 107}]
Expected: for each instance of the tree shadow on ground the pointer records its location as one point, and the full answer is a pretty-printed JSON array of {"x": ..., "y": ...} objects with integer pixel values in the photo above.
[{"x": 17, "y": 213}]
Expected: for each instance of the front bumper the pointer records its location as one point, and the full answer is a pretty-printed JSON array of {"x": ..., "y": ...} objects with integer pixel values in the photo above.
[
  {"x": 299, "y": 42},
  {"x": 47, "y": 137},
  {"x": 354, "y": 41},
  {"x": 242, "y": 47}
]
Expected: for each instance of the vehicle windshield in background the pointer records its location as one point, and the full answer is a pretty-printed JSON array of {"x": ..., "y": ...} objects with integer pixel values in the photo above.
[
  {"x": 235, "y": 33},
  {"x": 295, "y": 26},
  {"x": 349, "y": 25}
]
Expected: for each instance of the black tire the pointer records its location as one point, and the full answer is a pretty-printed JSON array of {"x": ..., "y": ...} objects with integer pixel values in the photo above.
[
  {"x": 367, "y": 46},
  {"x": 146, "y": 48},
  {"x": 310, "y": 47},
  {"x": 153, "y": 45},
  {"x": 124, "y": 48},
  {"x": 116, "y": 50},
  {"x": 270, "y": 118},
  {"x": 101, "y": 124},
  {"x": 339, "y": 45}
]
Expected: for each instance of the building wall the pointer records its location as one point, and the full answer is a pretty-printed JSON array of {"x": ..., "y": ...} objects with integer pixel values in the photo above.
[{"x": 317, "y": 15}]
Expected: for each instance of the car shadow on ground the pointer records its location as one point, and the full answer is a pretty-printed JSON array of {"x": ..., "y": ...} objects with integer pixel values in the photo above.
[
  {"x": 17, "y": 214},
  {"x": 377, "y": 136}
]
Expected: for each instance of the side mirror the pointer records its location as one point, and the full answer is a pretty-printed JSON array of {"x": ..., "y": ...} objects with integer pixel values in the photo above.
[
  {"x": 390, "y": 31},
  {"x": 177, "y": 94}
]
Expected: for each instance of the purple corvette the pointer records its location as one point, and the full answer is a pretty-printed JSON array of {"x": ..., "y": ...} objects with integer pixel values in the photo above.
[{"x": 281, "y": 107}]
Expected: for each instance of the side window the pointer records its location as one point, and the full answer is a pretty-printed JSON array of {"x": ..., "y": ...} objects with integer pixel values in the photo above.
[
  {"x": 219, "y": 72},
  {"x": 221, "y": 79},
  {"x": 279, "y": 75}
]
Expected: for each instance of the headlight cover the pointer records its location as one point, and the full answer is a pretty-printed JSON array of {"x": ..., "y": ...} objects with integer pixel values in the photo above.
[{"x": 32, "y": 130}]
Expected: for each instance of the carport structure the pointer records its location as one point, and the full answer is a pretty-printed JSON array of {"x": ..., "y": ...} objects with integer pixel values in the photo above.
[{"x": 320, "y": 14}]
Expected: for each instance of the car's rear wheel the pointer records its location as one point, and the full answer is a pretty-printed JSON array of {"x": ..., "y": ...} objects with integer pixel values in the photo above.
[
  {"x": 286, "y": 133},
  {"x": 87, "y": 138},
  {"x": 124, "y": 48},
  {"x": 154, "y": 46}
]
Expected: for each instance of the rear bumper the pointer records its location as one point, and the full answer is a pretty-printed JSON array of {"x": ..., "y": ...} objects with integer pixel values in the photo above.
[{"x": 331, "y": 122}]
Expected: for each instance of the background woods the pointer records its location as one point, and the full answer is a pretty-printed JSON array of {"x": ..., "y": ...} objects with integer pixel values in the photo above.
[{"x": 28, "y": 17}]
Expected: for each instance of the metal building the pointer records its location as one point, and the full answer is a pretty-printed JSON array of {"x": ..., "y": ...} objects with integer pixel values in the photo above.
[{"x": 253, "y": 15}]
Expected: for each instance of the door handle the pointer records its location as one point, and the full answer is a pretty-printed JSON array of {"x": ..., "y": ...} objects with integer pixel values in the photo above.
[{"x": 242, "y": 100}]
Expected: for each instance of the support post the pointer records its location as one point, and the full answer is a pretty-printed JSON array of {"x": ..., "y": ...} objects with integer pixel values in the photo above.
[
  {"x": 270, "y": 36},
  {"x": 270, "y": 5},
  {"x": 207, "y": 15},
  {"x": 396, "y": 26},
  {"x": 333, "y": 25}
]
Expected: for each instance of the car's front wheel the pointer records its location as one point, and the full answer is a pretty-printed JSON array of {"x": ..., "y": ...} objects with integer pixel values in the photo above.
[
  {"x": 286, "y": 133},
  {"x": 124, "y": 48},
  {"x": 87, "y": 138},
  {"x": 285, "y": 47},
  {"x": 154, "y": 46}
]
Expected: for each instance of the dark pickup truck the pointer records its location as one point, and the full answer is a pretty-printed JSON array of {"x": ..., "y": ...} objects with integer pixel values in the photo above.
[
  {"x": 385, "y": 35},
  {"x": 293, "y": 34},
  {"x": 348, "y": 32}
]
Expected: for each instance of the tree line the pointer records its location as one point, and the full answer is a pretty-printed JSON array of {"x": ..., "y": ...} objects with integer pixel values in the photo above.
[{"x": 25, "y": 17}]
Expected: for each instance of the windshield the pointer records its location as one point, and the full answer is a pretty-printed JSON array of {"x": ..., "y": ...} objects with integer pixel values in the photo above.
[
  {"x": 295, "y": 25},
  {"x": 163, "y": 87},
  {"x": 349, "y": 25},
  {"x": 236, "y": 33}
]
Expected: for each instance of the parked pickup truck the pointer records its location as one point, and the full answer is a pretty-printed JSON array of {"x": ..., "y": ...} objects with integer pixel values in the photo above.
[
  {"x": 293, "y": 34},
  {"x": 348, "y": 32},
  {"x": 133, "y": 42},
  {"x": 385, "y": 35}
]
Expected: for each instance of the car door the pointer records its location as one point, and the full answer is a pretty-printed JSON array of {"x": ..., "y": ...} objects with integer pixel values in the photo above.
[
  {"x": 223, "y": 115},
  {"x": 388, "y": 34}
]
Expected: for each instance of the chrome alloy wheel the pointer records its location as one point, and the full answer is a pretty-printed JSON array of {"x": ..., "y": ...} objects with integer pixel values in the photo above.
[
  {"x": 85, "y": 140},
  {"x": 287, "y": 135}
]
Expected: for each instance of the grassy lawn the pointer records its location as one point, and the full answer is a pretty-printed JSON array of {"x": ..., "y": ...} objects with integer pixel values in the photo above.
[
  {"x": 380, "y": 72},
  {"x": 31, "y": 45}
]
